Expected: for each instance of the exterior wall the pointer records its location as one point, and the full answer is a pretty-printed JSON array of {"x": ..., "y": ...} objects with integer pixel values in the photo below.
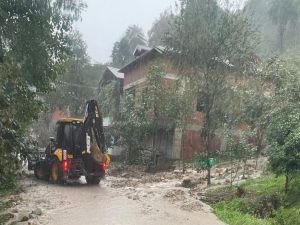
[
  {"x": 180, "y": 145},
  {"x": 193, "y": 144},
  {"x": 164, "y": 143},
  {"x": 177, "y": 143},
  {"x": 135, "y": 75}
]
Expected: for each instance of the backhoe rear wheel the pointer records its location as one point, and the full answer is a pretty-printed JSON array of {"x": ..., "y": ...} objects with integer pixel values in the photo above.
[{"x": 56, "y": 172}]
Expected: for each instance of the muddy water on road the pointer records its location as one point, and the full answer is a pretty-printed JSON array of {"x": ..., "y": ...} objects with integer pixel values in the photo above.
[{"x": 78, "y": 203}]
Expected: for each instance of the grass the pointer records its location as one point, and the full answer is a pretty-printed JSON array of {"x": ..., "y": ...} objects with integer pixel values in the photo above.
[
  {"x": 266, "y": 185},
  {"x": 263, "y": 203},
  {"x": 234, "y": 217}
]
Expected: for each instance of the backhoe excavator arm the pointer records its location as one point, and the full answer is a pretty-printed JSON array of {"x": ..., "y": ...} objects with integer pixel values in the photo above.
[{"x": 93, "y": 124}]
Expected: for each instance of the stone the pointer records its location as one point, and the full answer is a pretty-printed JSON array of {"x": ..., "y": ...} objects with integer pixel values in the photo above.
[
  {"x": 32, "y": 216},
  {"x": 124, "y": 175},
  {"x": 187, "y": 183},
  {"x": 135, "y": 197},
  {"x": 15, "y": 210},
  {"x": 178, "y": 185},
  {"x": 24, "y": 218},
  {"x": 37, "y": 212}
]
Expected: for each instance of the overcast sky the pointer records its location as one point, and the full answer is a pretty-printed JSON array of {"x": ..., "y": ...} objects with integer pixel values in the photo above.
[{"x": 105, "y": 21}]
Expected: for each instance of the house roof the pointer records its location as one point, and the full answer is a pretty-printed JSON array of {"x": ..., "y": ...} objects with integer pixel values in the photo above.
[
  {"x": 140, "y": 49},
  {"x": 143, "y": 57},
  {"x": 115, "y": 72}
]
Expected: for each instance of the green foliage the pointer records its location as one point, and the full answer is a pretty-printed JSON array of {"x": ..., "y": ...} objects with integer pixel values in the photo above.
[
  {"x": 282, "y": 13},
  {"x": 283, "y": 122},
  {"x": 34, "y": 45},
  {"x": 133, "y": 127},
  {"x": 122, "y": 52},
  {"x": 78, "y": 83},
  {"x": 109, "y": 99},
  {"x": 226, "y": 38},
  {"x": 157, "y": 106},
  {"x": 168, "y": 104},
  {"x": 73, "y": 88},
  {"x": 284, "y": 135},
  {"x": 211, "y": 44},
  {"x": 160, "y": 28},
  {"x": 278, "y": 23},
  {"x": 266, "y": 185},
  {"x": 287, "y": 216},
  {"x": 229, "y": 213},
  {"x": 265, "y": 199},
  {"x": 239, "y": 146}
]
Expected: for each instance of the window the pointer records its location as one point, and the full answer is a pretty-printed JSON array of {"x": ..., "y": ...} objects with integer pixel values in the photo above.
[
  {"x": 200, "y": 104},
  {"x": 130, "y": 92}
]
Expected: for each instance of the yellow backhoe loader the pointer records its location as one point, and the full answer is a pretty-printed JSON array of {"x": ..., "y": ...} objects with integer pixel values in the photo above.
[{"x": 78, "y": 150}]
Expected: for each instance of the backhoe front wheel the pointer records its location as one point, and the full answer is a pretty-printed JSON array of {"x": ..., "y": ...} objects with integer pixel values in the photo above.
[
  {"x": 39, "y": 172},
  {"x": 92, "y": 179}
]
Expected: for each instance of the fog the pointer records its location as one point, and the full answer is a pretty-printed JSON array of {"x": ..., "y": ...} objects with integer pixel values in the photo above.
[{"x": 105, "y": 21}]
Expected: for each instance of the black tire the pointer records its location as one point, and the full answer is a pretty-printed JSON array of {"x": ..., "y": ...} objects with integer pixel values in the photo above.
[
  {"x": 56, "y": 172},
  {"x": 92, "y": 180},
  {"x": 74, "y": 177},
  {"x": 38, "y": 172}
]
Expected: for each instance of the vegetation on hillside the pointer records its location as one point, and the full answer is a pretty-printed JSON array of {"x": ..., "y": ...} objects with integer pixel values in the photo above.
[
  {"x": 258, "y": 202},
  {"x": 240, "y": 67},
  {"x": 34, "y": 47}
]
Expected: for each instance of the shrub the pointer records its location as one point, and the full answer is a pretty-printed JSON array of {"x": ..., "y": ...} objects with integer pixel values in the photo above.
[{"x": 287, "y": 216}]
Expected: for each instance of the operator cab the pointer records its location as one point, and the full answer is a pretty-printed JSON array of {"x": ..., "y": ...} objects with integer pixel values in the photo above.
[{"x": 70, "y": 136}]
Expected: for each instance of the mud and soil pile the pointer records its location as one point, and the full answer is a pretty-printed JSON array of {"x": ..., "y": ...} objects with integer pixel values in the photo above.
[{"x": 185, "y": 188}]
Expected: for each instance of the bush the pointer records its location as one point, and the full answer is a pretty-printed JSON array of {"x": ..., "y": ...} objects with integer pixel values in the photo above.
[
  {"x": 287, "y": 216},
  {"x": 229, "y": 213},
  {"x": 260, "y": 201}
]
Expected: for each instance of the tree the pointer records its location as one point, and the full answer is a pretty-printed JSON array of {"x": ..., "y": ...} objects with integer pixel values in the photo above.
[
  {"x": 278, "y": 23},
  {"x": 167, "y": 105},
  {"x": 135, "y": 36},
  {"x": 109, "y": 97},
  {"x": 255, "y": 101},
  {"x": 76, "y": 85},
  {"x": 156, "y": 107},
  {"x": 258, "y": 14},
  {"x": 239, "y": 149},
  {"x": 210, "y": 45},
  {"x": 281, "y": 13},
  {"x": 73, "y": 88},
  {"x": 284, "y": 116},
  {"x": 122, "y": 52},
  {"x": 160, "y": 28},
  {"x": 34, "y": 45}
]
